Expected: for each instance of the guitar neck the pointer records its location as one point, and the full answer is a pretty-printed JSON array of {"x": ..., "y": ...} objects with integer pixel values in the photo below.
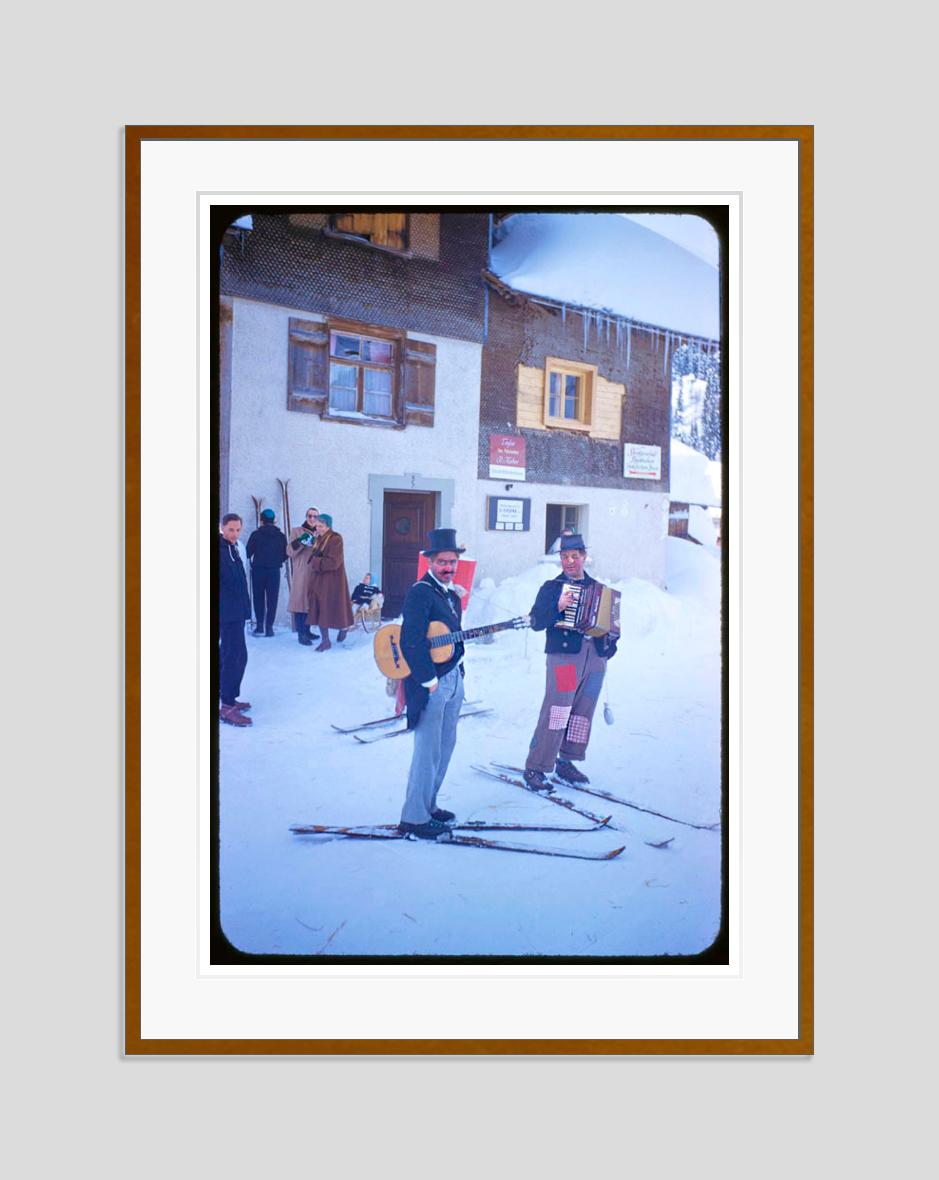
[{"x": 473, "y": 633}]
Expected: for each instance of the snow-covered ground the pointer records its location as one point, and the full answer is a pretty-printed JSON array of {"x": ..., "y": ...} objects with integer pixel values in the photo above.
[{"x": 283, "y": 894}]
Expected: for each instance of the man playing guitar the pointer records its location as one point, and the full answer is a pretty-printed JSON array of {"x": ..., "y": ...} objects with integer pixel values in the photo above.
[{"x": 434, "y": 691}]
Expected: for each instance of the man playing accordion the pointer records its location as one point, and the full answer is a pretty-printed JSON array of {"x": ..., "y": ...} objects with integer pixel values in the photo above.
[{"x": 581, "y": 619}]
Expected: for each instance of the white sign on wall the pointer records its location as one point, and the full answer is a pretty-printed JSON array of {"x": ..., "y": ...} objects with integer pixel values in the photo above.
[
  {"x": 641, "y": 461},
  {"x": 509, "y": 512}
]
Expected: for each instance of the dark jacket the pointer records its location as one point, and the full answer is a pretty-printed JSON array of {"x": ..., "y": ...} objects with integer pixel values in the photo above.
[
  {"x": 364, "y": 593},
  {"x": 234, "y": 603},
  {"x": 545, "y": 613},
  {"x": 267, "y": 548},
  {"x": 425, "y": 602}
]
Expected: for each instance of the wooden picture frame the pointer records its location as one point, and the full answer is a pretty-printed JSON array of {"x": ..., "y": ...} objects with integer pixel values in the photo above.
[{"x": 179, "y": 1010}]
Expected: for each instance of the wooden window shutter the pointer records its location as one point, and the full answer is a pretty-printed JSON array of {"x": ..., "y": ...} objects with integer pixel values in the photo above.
[
  {"x": 308, "y": 367},
  {"x": 420, "y": 364}
]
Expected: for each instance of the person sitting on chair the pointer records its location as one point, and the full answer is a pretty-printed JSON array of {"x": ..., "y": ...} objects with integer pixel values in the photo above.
[{"x": 367, "y": 600}]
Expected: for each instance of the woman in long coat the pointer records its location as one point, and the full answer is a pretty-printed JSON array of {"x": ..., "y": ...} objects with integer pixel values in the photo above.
[
  {"x": 329, "y": 604},
  {"x": 300, "y": 546}
]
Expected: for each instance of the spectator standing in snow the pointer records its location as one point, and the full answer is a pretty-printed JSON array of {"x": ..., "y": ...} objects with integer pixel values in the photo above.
[
  {"x": 234, "y": 609},
  {"x": 329, "y": 587},
  {"x": 267, "y": 552},
  {"x": 576, "y": 666},
  {"x": 434, "y": 692},
  {"x": 300, "y": 550}
]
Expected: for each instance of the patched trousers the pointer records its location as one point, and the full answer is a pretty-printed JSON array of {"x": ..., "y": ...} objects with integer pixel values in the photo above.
[
  {"x": 572, "y": 689},
  {"x": 434, "y": 739}
]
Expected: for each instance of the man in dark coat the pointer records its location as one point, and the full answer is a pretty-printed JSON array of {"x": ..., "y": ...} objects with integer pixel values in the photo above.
[
  {"x": 267, "y": 552},
  {"x": 575, "y": 672},
  {"x": 234, "y": 609},
  {"x": 434, "y": 692}
]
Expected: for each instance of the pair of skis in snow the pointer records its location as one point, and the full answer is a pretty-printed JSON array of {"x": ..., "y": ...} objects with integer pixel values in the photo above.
[
  {"x": 378, "y": 737},
  {"x": 377, "y": 724},
  {"x": 457, "y": 833},
  {"x": 453, "y": 836},
  {"x": 508, "y": 774}
]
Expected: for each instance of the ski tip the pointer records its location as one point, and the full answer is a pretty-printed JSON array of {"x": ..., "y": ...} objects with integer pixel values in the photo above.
[
  {"x": 615, "y": 853},
  {"x": 659, "y": 843},
  {"x": 604, "y": 822}
]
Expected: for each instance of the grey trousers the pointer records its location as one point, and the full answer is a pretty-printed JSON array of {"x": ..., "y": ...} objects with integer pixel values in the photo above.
[
  {"x": 434, "y": 739},
  {"x": 572, "y": 689}
]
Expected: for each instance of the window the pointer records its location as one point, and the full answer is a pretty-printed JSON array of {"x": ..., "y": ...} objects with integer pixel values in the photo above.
[
  {"x": 568, "y": 394},
  {"x": 389, "y": 231},
  {"x": 364, "y": 373},
  {"x": 560, "y": 519},
  {"x": 361, "y": 374}
]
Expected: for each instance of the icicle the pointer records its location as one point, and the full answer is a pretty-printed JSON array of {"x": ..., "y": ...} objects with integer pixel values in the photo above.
[
  {"x": 629, "y": 343},
  {"x": 665, "y": 352},
  {"x": 619, "y": 334},
  {"x": 563, "y": 313},
  {"x": 607, "y": 330},
  {"x": 586, "y": 328}
]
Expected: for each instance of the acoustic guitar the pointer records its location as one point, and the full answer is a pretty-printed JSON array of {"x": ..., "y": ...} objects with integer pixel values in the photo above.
[{"x": 390, "y": 659}]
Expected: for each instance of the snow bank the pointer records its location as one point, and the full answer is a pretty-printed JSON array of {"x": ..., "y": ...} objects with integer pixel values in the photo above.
[
  {"x": 693, "y": 477},
  {"x": 608, "y": 262}
]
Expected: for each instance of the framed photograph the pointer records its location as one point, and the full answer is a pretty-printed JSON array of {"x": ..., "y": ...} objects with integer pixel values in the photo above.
[{"x": 485, "y": 459}]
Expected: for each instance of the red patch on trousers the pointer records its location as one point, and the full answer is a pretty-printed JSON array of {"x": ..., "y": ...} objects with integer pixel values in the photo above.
[{"x": 565, "y": 678}]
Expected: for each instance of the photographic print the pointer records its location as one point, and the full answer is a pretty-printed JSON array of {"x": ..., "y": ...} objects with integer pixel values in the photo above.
[
  {"x": 535, "y": 395},
  {"x": 489, "y": 640}
]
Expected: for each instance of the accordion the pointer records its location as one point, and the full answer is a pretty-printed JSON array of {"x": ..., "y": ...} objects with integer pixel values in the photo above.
[{"x": 594, "y": 611}]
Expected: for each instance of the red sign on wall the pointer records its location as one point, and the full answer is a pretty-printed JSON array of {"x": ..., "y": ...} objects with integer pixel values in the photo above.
[{"x": 507, "y": 456}]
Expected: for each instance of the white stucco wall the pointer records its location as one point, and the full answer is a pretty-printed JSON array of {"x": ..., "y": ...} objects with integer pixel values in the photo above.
[
  {"x": 328, "y": 463},
  {"x": 624, "y": 531}
]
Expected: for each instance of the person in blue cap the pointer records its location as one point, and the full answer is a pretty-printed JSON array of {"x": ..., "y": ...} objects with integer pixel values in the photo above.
[
  {"x": 267, "y": 552},
  {"x": 575, "y": 669}
]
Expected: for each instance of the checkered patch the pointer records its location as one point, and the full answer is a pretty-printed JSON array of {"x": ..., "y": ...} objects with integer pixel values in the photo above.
[
  {"x": 559, "y": 716},
  {"x": 579, "y": 730},
  {"x": 565, "y": 678}
]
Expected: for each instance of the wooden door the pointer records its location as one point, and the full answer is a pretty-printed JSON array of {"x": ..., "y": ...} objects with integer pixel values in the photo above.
[{"x": 408, "y": 518}]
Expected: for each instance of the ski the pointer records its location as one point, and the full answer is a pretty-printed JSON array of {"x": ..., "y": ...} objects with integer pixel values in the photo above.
[
  {"x": 367, "y": 741},
  {"x": 379, "y": 722},
  {"x": 390, "y": 831},
  {"x": 559, "y": 782},
  {"x": 566, "y": 803},
  {"x": 448, "y": 838},
  {"x": 504, "y": 846},
  {"x": 258, "y": 503},
  {"x": 286, "y": 503}
]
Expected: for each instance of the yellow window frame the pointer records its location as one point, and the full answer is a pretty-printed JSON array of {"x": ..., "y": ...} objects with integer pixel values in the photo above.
[{"x": 587, "y": 378}]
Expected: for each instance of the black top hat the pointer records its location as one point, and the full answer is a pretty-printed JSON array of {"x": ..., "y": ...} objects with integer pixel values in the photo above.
[
  {"x": 572, "y": 541},
  {"x": 439, "y": 540}
]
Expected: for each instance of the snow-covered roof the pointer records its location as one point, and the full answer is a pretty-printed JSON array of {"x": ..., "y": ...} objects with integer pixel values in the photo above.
[
  {"x": 610, "y": 263},
  {"x": 694, "y": 479}
]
